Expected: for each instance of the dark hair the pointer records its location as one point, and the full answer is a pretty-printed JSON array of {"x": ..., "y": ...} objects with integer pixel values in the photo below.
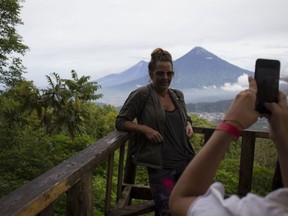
[{"x": 158, "y": 55}]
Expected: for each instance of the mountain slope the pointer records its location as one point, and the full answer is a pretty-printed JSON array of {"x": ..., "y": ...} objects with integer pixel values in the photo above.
[
  {"x": 199, "y": 68},
  {"x": 194, "y": 71},
  {"x": 135, "y": 72}
]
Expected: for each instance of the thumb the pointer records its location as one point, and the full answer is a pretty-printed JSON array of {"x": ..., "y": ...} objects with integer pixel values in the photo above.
[{"x": 252, "y": 83}]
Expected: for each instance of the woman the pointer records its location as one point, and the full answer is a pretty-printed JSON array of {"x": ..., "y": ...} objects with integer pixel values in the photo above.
[
  {"x": 163, "y": 129},
  {"x": 196, "y": 194}
]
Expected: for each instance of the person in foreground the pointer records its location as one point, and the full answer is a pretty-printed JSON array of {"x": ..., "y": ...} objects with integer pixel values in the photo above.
[
  {"x": 196, "y": 194},
  {"x": 163, "y": 129}
]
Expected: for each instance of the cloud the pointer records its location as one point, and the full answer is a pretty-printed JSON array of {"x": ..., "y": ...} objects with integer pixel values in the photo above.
[
  {"x": 210, "y": 87},
  {"x": 100, "y": 37},
  {"x": 241, "y": 84}
]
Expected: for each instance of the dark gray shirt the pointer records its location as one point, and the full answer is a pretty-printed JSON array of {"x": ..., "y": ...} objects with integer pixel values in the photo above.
[{"x": 175, "y": 144}]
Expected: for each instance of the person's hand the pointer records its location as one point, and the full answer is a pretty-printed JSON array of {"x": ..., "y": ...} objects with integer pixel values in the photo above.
[
  {"x": 189, "y": 130},
  {"x": 242, "y": 112},
  {"x": 278, "y": 118},
  {"x": 152, "y": 135}
]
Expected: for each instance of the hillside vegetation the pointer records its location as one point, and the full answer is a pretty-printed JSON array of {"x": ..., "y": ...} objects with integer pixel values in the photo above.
[{"x": 41, "y": 128}]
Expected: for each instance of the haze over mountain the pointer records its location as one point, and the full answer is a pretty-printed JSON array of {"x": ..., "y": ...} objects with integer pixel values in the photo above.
[{"x": 200, "y": 74}]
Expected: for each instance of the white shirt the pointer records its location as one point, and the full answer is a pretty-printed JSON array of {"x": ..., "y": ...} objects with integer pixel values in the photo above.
[{"x": 213, "y": 203}]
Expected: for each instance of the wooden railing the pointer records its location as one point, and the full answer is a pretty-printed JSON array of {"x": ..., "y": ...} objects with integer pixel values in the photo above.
[{"x": 74, "y": 177}]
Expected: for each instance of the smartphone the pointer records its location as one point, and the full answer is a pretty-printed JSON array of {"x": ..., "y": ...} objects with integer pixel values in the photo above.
[{"x": 267, "y": 73}]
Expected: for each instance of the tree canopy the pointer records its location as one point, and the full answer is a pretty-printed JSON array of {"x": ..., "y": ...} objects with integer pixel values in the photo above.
[{"x": 11, "y": 45}]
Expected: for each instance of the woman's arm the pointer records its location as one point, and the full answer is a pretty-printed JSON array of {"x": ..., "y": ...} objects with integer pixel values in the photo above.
[
  {"x": 152, "y": 135},
  {"x": 199, "y": 174},
  {"x": 278, "y": 132}
]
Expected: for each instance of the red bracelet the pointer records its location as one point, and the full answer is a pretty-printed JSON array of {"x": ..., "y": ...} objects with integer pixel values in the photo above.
[{"x": 234, "y": 131}]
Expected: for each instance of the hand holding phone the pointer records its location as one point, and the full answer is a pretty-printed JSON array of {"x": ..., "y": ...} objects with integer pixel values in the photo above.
[{"x": 267, "y": 73}]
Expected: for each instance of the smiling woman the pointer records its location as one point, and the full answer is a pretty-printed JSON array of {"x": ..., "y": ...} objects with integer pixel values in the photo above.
[{"x": 163, "y": 129}]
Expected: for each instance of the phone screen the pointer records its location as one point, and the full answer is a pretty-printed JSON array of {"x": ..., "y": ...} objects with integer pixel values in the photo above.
[{"x": 267, "y": 77}]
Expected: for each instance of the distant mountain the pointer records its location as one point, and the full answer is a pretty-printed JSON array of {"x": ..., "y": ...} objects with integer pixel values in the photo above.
[
  {"x": 135, "y": 72},
  {"x": 200, "y": 68},
  {"x": 194, "y": 72}
]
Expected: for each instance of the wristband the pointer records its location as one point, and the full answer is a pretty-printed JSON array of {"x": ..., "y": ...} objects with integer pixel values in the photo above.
[
  {"x": 237, "y": 122},
  {"x": 230, "y": 129}
]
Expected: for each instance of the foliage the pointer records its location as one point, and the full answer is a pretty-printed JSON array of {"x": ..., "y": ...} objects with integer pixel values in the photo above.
[
  {"x": 64, "y": 103},
  {"x": 27, "y": 150},
  {"x": 228, "y": 174},
  {"x": 11, "y": 68},
  {"x": 200, "y": 121},
  {"x": 104, "y": 117}
]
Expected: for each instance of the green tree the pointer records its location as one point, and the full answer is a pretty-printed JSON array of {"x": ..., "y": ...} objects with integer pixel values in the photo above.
[
  {"x": 17, "y": 103},
  {"x": 11, "y": 67},
  {"x": 65, "y": 103}
]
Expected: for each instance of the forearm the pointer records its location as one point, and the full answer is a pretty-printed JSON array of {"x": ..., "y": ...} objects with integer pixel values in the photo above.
[
  {"x": 283, "y": 161},
  {"x": 133, "y": 127},
  {"x": 202, "y": 169},
  {"x": 200, "y": 173}
]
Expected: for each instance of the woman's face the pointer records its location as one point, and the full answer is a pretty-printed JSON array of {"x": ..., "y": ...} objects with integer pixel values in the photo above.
[{"x": 162, "y": 76}]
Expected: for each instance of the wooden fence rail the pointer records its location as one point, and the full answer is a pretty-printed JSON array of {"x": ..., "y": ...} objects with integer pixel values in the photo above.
[{"x": 74, "y": 177}]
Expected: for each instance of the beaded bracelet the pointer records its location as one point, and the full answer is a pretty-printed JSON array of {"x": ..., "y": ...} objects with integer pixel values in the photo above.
[{"x": 230, "y": 129}]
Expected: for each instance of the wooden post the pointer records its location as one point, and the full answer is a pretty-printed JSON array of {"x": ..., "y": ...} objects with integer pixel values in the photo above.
[
  {"x": 130, "y": 167},
  {"x": 109, "y": 183},
  {"x": 246, "y": 163},
  {"x": 120, "y": 171},
  {"x": 79, "y": 197},
  {"x": 277, "y": 178},
  {"x": 49, "y": 211}
]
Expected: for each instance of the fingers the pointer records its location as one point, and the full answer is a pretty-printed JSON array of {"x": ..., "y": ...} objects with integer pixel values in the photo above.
[
  {"x": 189, "y": 132},
  {"x": 282, "y": 103},
  {"x": 252, "y": 84},
  {"x": 154, "y": 137},
  {"x": 282, "y": 99}
]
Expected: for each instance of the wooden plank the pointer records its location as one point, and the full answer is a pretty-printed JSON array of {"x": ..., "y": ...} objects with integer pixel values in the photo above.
[
  {"x": 246, "y": 163},
  {"x": 120, "y": 171},
  {"x": 38, "y": 194},
  {"x": 124, "y": 198},
  {"x": 80, "y": 197},
  {"x": 277, "y": 178},
  {"x": 109, "y": 183},
  {"x": 130, "y": 167},
  {"x": 139, "y": 191},
  {"x": 203, "y": 130},
  {"x": 134, "y": 209}
]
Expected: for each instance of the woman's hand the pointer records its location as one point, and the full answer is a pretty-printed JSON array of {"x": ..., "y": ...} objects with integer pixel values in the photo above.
[
  {"x": 242, "y": 112},
  {"x": 152, "y": 135},
  {"x": 278, "y": 119},
  {"x": 189, "y": 130}
]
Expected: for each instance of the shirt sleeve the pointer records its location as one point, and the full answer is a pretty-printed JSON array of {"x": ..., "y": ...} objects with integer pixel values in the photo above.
[
  {"x": 132, "y": 107},
  {"x": 213, "y": 203}
]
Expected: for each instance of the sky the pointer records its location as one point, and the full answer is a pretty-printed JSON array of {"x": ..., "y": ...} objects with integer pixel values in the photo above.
[{"x": 99, "y": 37}]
